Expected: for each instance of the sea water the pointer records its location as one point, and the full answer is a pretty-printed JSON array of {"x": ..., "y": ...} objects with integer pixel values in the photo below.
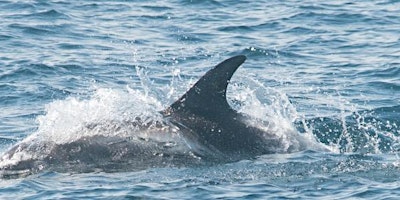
[{"x": 328, "y": 71}]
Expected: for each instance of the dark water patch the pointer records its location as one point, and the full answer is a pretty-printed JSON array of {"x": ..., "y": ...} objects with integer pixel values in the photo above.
[
  {"x": 41, "y": 30},
  {"x": 391, "y": 46},
  {"x": 140, "y": 41},
  {"x": 87, "y": 6},
  {"x": 6, "y": 37},
  {"x": 344, "y": 66},
  {"x": 202, "y": 3},
  {"x": 27, "y": 69},
  {"x": 31, "y": 30},
  {"x": 70, "y": 67},
  {"x": 69, "y": 46},
  {"x": 384, "y": 85},
  {"x": 389, "y": 19},
  {"x": 153, "y": 17},
  {"x": 303, "y": 31},
  {"x": 349, "y": 48},
  {"x": 268, "y": 26},
  {"x": 388, "y": 2},
  {"x": 320, "y": 41},
  {"x": 7, "y": 87},
  {"x": 348, "y": 18},
  {"x": 36, "y": 70},
  {"x": 382, "y": 72},
  {"x": 16, "y": 74},
  {"x": 317, "y": 7},
  {"x": 9, "y": 99},
  {"x": 17, "y": 6},
  {"x": 157, "y": 8},
  {"x": 239, "y": 29},
  {"x": 49, "y": 15},
  {"x": 340, "y": 19},
  {"x": 105, "y": 8},
  {"x": 388, "y": 113},
  {"x": 100, "y": 47}
]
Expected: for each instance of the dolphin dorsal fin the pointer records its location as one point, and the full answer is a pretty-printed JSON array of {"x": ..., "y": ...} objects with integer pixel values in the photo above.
[{"x": 208, "y": 96}]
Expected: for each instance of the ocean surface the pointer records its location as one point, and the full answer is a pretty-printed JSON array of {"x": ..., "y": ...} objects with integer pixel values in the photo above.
[{"x": 327, "y": 70}]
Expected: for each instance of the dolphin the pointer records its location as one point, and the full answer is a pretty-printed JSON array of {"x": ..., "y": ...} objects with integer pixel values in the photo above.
[
  {"x": 200, "y": 127},
  {"x": 207, "y": 117}
]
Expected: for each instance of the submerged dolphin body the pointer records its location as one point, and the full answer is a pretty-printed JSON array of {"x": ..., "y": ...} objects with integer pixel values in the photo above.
[{"x": 200, "y": 126}]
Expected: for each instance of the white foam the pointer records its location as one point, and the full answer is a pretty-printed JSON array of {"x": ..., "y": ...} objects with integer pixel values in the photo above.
[
  {"x": 65, "y": 120},
  {"x": 275, "y": 114}
]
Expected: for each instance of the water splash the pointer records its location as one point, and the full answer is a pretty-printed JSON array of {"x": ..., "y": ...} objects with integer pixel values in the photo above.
[
  {"x": 272, "y": 111},
  {"x": 65, "y": 119},
  {"x": 114, "y": 113},
  {"x": 354, "y": 130}
]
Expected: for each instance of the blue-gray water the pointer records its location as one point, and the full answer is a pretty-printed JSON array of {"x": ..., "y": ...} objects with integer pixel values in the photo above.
[{"x": 330, "y": 70}]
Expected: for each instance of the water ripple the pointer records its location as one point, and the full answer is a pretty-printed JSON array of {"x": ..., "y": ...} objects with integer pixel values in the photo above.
[{"x": 335, "y": 62}]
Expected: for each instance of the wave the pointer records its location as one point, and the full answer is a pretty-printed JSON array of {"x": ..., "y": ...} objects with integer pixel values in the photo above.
[
  {"x": 34, "y": 30},
  {"x": 49, "y": 14}
]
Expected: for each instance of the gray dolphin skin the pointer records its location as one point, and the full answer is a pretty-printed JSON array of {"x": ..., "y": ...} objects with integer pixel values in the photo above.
[
  {"x": 208, "y": 118},
  {"x": 200, "y": 126}
]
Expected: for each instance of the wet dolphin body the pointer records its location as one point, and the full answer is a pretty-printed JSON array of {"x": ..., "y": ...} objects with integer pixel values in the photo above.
[
  {"x": 208, "y": 129},
  {"x": 207, "y": 117}
]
